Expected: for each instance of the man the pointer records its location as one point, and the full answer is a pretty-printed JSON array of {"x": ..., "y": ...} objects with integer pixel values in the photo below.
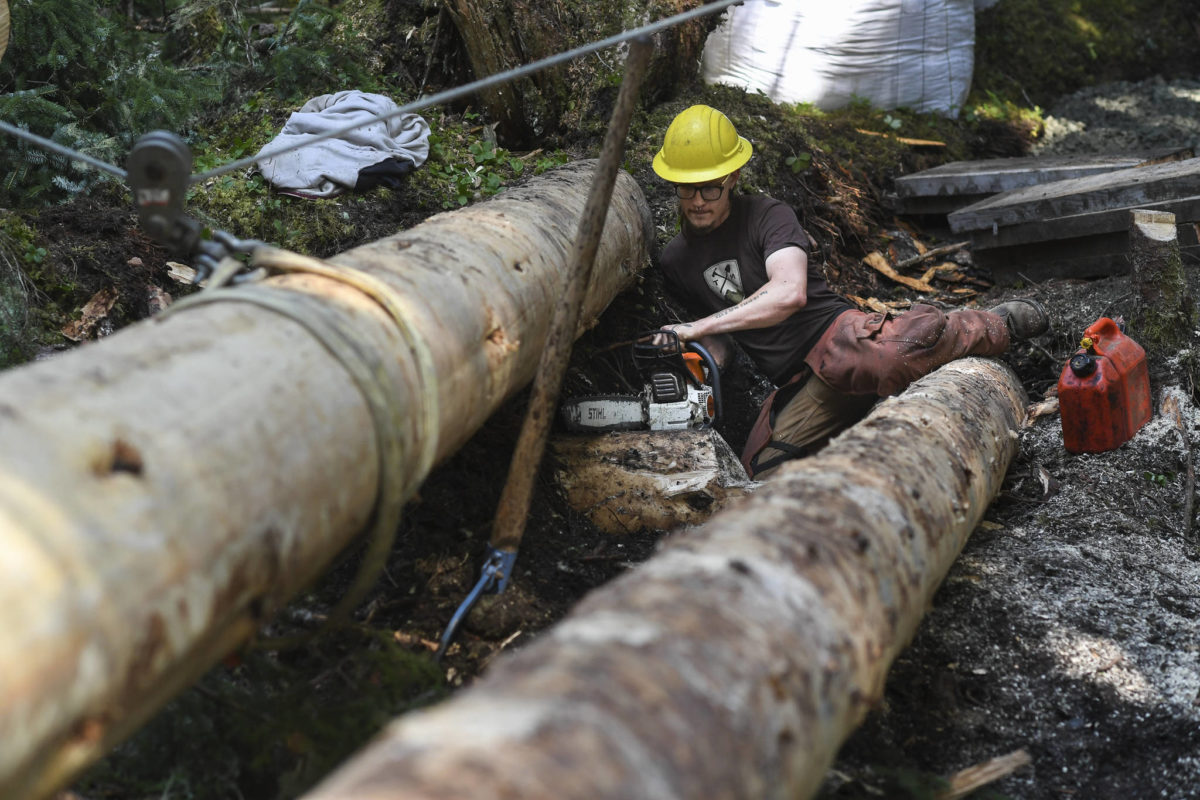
[{"x": 741, "y": 265}]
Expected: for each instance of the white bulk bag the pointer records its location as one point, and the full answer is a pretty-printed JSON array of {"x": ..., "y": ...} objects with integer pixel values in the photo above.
[{"x": 915, "y": 54}]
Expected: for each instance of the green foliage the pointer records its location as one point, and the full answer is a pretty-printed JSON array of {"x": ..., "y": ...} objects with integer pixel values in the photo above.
[
  {"x": 62, "y": 42},
  {"x": 549, "y": 162},
  {"x": 1159, "y": 479},
  {"x": 317, "y": 49},
  {"x": 19, "y": 249},
  {"x": 988, "y": 105},
  {"x": 320, "y": 51},
  {"x": 249, "y": 208},
  {"x": 74, "y": 75},
  {"x": 799, "y": 163},
  {"x": 462, "y": 169}
]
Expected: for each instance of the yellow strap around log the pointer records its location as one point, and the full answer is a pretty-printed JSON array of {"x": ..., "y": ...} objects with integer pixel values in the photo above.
[{"x": 370, "y": 375}]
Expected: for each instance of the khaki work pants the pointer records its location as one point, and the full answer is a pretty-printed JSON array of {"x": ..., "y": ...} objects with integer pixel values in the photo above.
[
  {"x": 860, "y": 358},
  {"x": 809, "y": 421}
]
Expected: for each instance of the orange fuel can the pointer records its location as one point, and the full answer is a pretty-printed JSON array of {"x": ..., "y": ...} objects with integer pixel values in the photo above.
[{"x": 1104, "y": 390}]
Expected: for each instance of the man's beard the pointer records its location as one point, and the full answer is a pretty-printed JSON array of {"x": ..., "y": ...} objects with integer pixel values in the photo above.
[{"x": 689, "y": 227}]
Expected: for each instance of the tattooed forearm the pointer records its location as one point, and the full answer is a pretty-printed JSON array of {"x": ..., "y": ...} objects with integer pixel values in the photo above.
[{"x": 756, "y": 296}]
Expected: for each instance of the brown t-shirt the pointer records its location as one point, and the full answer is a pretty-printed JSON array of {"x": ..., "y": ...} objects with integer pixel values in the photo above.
[{"x": 713, "y": 271}]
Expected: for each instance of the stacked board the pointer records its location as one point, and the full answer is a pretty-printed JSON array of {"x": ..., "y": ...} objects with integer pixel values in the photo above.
[
  {"x": 949, "y": 187},
  {"x": 1078, "y": 227}
]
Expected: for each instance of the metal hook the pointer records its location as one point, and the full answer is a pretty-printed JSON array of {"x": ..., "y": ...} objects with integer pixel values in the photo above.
[{"x": 497, "y": 569}]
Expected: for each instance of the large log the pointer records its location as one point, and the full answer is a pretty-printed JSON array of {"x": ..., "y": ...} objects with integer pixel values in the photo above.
[
  {"x": 165, "y": 489},
  {"x": 735, "y": 662}
]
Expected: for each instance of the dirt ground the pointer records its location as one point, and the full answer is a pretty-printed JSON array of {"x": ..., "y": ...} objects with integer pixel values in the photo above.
[{"x": 1067, "y": 628}]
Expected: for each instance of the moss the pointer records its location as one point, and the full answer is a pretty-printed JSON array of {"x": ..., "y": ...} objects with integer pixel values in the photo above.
[{"x": 1033, "y": 51}]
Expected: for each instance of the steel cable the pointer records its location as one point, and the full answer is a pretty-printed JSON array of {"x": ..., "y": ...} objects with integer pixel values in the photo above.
[{"x": 448, "y": 95}]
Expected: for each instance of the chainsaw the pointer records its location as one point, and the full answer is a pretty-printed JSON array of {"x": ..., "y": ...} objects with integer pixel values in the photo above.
[{"x": 682, "y": 390}]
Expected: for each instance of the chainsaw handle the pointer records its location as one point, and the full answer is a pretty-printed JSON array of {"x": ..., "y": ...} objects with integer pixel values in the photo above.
[{"x": 714, "y": 377}]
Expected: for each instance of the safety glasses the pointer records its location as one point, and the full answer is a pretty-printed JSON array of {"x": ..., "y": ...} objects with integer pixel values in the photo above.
[{"x": 686, "y": 191}]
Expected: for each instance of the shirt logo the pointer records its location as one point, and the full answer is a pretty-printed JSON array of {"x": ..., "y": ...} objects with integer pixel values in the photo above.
[{"x": 725, "y": 279}]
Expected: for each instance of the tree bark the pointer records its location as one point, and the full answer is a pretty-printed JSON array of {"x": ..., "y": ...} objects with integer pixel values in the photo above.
[
  {"x": 500, "y": 35},
  {"x": 4, "y": 27},
  {"x": 165, "y": 489},
  {"x": 735, "y": 662}
]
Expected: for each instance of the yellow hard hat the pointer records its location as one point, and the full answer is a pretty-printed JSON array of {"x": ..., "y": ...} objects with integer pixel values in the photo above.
[{"x": 701, "y": 144}]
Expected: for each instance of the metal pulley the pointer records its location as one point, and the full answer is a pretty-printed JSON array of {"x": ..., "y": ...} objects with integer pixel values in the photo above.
[
  {"x": 159, "y": 167},
  {"x": 159, "y": 172}
]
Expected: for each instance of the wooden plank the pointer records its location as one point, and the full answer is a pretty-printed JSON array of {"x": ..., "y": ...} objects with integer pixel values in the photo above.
[
  {"x": 934, "y": 205},
  {"x": 903, "y": 139},
  {"x": 1185, "y": 209},
  {"x": 1139, "y": 187},
  {"x": 1083, "y": 257},
  {"x": 995, "y": 175}
]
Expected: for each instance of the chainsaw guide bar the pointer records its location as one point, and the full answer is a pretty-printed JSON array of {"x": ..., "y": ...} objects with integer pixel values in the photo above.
[{"x": 604, "y": 413}]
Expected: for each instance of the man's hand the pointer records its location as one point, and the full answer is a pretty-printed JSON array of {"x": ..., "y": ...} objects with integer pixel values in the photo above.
[
  {"x": 684, "y": 330},
  {"x": 719, "y": 347}
]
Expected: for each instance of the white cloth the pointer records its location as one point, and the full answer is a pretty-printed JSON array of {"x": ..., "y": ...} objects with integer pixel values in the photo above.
[
  {"x": 330, "y": 167},
  {"x": 916, "y": 54}
]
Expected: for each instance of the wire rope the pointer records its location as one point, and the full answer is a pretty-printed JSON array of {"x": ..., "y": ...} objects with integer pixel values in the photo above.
[
  {"x": 439, "y": 98},
  {"x": 62, "y": 150},
  {"x": 490, "y": 81}
]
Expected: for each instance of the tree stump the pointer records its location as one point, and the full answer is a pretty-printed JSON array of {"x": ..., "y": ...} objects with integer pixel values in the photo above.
[
  {"x": 661, "y": 480},
  {"x": 1164, "y": 313}
]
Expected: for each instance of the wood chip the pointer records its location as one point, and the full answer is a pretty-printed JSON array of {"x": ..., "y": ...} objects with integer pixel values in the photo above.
[
  {"x": 927, "y": 254},
  {"x": 878, "y": 262},
  {"x": 1041, "y": 409},
  {"x": 156, "y": 299},
  {"x": 949, "y": 272},
  {"x": 180, "y": 273},
  {"x": 965, "y": 781},
  {"x": 904, "y": 139},
  {"x": 1050, "y": 484},
  {"x": 880, "y": 306},
  {"x": 1170, "y": 408},
  {"x": 95, "y": 310},
  {"x": 412, "y": 640}
]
